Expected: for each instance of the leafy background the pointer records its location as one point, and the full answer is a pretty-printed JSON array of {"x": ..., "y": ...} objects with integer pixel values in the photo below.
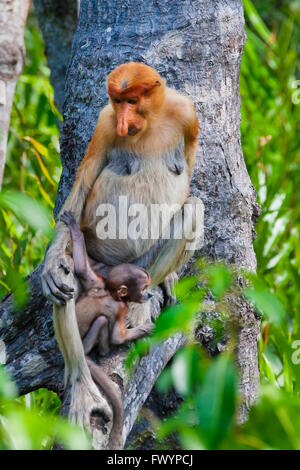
[{"x": 209, "y": 386}]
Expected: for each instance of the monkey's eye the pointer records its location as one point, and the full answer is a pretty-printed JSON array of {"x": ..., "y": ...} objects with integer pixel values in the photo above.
[
  {"x": 116, "y": 100},
  {"x": 132, "y": 101}
]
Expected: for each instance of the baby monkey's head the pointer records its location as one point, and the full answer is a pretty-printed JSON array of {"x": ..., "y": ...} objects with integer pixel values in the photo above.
[{"x": 128, "y": 283}]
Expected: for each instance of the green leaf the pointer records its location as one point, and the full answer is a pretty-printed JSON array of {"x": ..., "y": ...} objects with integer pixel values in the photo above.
[
  {"x": 28, "y": 210},
  {"x": 164, "y": 381},
  {"x": 187, "y": 369},
  {"x": 175, "y": 319},
  {"x": 138, "y": 349},
  {"x": 184, "y": 286},
  {"x": 220, "y": 279},
  {"x": 268, "y": 370},
  {"x": 267, "y": 304},
  {"x": 38, "y": 146},
  {"x": 216, "y": 401},
  {"x": 257, "y": 22}
]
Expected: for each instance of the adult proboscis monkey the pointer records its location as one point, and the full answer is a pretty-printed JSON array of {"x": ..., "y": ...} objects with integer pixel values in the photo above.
[{"x": 143, "y": 149}]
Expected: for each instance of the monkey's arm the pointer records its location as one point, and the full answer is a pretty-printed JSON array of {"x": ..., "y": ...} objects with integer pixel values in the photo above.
[
  {"x": 92, "y": 164},
  {"x": 191, "y": 144},
  {"x": 185, "y": 116},
  {"x": 82, "y": 266},
  {"x": 191, "y": 130},
  {"x": 131, "y": 334},
  {"x": 121, "y": 335}
]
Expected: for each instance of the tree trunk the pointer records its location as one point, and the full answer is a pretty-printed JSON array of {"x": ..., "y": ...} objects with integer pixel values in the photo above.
[
  {"x": 57, "y": 21},
  {"x": 197, "y": 46},
  {"x": 13, "y": 14}
]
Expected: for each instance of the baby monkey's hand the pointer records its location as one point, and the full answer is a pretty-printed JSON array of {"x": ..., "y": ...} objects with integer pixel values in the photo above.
[{"x": 68, "y": 218}]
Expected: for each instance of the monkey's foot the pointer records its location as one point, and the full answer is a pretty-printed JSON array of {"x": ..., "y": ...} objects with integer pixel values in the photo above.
[
  {"x": 168, "y": 289},
  {"x": 88, "y": 408}
]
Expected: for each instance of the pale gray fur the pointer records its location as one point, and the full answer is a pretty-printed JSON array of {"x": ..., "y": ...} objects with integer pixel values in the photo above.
[
  {"x": 124, "y": 162},
  {"x": 152, "y": 180}
]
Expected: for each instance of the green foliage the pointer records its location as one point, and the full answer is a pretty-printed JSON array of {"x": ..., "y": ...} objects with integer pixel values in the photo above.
[
  {"x": 206, "y": 419},
  {"x": 271, "y": 145},
  {"x": 34, "y": 426},
  {"x": 32, "y": 171},
  {"x": 209, "y": 389},
  {"x": 274, "y": 422},
  {"x": 27, "y": 199}
]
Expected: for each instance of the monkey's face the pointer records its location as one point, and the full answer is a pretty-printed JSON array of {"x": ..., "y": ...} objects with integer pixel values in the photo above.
[
  {"x": 136, "y": 295},
  {"x": 129, "y": 120},
  {"x": 135, "y": 290},
  {"x": 129, "y": 283},
  {"x": 136, "y": 92},
  {"x": 145, "y": 295},
  {"x": 140, "y": 293}
]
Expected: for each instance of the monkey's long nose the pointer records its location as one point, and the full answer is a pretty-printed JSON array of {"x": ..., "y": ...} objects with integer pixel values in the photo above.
[{"x": 122, "y": 126}]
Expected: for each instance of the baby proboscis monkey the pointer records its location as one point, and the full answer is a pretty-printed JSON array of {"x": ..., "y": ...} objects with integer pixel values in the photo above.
[{"x": 101, "y": 310}]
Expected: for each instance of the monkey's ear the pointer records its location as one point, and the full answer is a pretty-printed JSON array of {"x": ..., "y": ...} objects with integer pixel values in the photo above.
[
  {"x": 148, "y": 87},
  {"x": 122, "y": 291}
]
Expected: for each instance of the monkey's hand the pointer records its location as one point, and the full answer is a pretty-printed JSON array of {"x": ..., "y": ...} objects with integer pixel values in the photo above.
[
  {"x": 131, "y": 334},
  {"x": 145, "y": 328},
  {"x": 168, "y": 289},
  {"x": 57, "y": 277},
  {"x": 68, "y": 218}
]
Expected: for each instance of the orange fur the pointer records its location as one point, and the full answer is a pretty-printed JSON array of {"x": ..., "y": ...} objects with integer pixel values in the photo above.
[
  {"x": 121, "y": 319},
  {"x": 162, "y": 115},
  {"x": 133, "y": 76},
  {"x": 133, "y": 90}
]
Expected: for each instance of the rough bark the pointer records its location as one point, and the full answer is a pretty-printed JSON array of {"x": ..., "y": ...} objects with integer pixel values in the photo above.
[
  {"x": 197, "y": 46},
  {"x": 13, "y": 14},
  {"x": 57, "y": 21}
]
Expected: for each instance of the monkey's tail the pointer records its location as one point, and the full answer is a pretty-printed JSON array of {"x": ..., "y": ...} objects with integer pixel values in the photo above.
[{"x": 105, "y": 383}]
